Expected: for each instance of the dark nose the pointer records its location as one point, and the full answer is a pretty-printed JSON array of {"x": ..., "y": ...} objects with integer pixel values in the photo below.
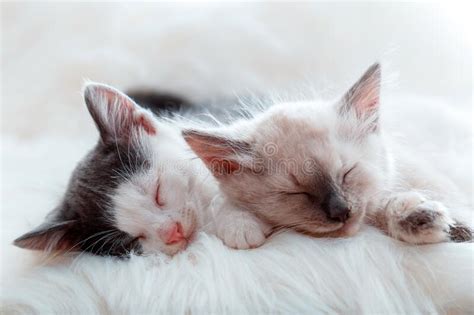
[{"x": 337, "y": 209}]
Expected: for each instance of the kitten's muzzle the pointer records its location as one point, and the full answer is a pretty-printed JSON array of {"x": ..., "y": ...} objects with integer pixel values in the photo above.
[
  {"x": 336, "y": 208},
  {"x": 172, "y": 234}
]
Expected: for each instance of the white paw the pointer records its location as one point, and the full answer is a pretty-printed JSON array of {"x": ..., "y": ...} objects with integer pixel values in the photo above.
[
  {"x": 240, "y": 230},
  {"x": 413, "y": 219}
]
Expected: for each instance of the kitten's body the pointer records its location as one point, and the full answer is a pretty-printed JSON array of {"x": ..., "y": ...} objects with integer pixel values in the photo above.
[{"x": 338, "y": 170}]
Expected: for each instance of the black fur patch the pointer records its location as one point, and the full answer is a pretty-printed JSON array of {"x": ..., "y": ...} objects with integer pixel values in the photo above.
[
  {"x": 86, "y": 205},
  {"x": 85, "y": 219}
]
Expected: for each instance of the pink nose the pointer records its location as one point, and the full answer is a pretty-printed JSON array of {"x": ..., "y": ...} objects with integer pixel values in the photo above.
[{"x": 174, "y": 234}]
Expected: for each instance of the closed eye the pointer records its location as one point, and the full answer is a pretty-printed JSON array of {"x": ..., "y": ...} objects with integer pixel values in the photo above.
[
  {"x": 344, "y": 178},
  {"x": 158, "y": 198}
]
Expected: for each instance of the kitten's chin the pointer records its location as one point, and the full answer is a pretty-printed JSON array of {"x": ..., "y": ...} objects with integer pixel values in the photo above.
[
  {"x": 347, "y": 229},
  {"x": 170, "y": 250},
  {"x": 176, "y": 247},
  {"x": 350, "y": 228}
]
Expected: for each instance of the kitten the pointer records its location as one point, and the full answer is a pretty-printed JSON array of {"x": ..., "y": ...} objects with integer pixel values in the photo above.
[
  {"x": 139, "y": 189},
  {"x": 322, "y": 168}
]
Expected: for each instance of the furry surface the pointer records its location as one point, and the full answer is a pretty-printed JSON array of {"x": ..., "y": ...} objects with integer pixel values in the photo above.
[
  {"x": 47, "y": 51},
  {"x": 290, "y": 274}
]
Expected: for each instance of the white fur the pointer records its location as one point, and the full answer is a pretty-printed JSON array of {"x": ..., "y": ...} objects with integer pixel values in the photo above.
[{"x": 369, "y": 273}]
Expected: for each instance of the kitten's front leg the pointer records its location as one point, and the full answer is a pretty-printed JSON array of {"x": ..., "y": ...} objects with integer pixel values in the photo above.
[
  {"x": 412, "y": 218},
  {"x": 240, "y": 229}
]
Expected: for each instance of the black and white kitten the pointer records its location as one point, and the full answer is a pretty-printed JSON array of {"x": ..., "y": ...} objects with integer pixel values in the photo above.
[{"x": 139, "y": 189}]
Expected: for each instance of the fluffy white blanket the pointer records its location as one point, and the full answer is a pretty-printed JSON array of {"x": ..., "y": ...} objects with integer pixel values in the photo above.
[{"x": 208, "y": 51}]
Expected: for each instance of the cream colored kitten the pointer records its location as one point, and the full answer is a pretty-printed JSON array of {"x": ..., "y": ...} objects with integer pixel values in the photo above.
[{"x": 323, "y": 168}]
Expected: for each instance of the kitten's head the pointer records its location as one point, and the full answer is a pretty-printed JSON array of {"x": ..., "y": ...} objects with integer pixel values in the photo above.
[
  {"x": 308, "y": 166},
  {"x": 130, "y": 193}
]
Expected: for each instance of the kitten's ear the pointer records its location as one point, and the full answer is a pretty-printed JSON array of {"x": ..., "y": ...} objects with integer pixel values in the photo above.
[
  {"x": 363, "y": 97},
  {"x": 49, "y": 236},
  {"x": 223, "y": 156},
  {"x": 115, "y": 114}
]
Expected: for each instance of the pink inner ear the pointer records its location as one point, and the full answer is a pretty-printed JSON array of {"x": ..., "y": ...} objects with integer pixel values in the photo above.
[
  {"x": 221, "y": 166},
  {"x": 111, "y": 96},
  {"x": 215, "y": 152},
  {"x": 364, "y": 95},
  {"x": 53, "y": 240},
  {"x": 127, "y": 109},
  {"x": 366, "y": 99},
  {"x": 119, "y": 104},
  {"x": 374, "y": 103},
  {"x": 146, "y": 124},
  {"x": 371, "y": 105}
]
